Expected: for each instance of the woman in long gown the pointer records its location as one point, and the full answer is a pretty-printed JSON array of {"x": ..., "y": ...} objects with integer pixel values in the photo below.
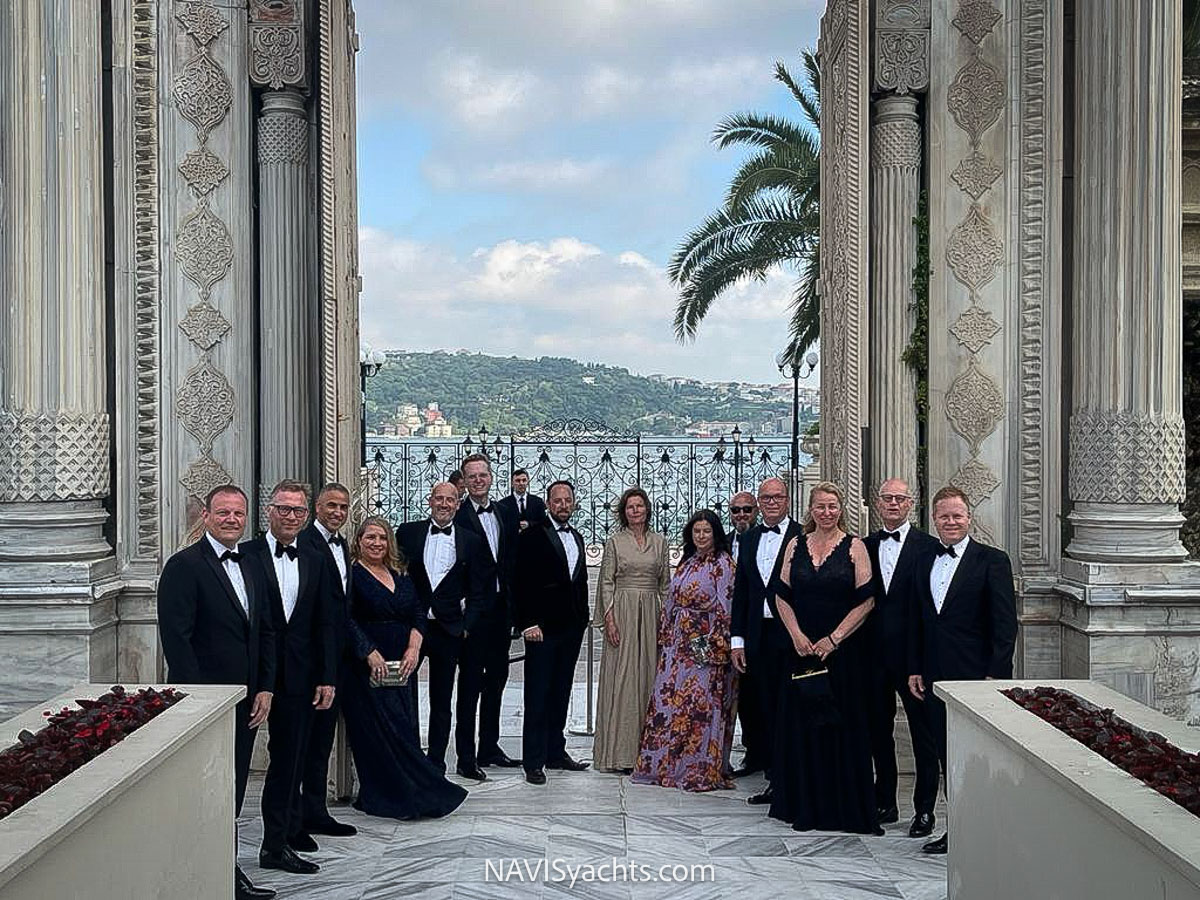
[
  {"x": 395, "y": 778},
  {"x": 689, "y": 723},
  {"x": 822, "y": 776},
  {"x": 634, "y": 574}
]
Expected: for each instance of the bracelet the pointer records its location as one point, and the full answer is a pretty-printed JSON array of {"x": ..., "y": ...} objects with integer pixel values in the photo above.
[{"x": 836, "y": 643}]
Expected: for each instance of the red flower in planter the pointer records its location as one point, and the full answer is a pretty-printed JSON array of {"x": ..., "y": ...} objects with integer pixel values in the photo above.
[
  {"x": 72, "y": 737},
  {"x": 1145, "y": 755}
]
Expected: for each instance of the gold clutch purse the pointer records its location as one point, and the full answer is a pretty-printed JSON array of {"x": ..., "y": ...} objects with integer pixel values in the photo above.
[{"x": 391, "y": 676}]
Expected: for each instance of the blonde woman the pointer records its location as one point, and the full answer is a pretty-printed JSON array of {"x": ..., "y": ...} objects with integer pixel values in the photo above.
[
  {"x": 634, "y": 574},
  {"x": 386, "y": 625}
]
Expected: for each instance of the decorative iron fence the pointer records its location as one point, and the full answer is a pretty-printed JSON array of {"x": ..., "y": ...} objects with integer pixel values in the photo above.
[{"x": 680, "y": 474}]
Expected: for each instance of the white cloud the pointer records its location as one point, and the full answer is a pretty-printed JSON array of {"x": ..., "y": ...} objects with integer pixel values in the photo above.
[
  {"x": 483, "y": 96},
  {"x": 563, "y": 297}
]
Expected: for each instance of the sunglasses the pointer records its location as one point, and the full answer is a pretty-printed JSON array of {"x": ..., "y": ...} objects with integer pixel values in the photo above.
[{"x": 741, "y": 509}]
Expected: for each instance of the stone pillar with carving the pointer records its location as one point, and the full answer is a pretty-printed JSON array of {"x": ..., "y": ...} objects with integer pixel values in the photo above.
[
  {"x": 288, "y": 376},
  {"x": 895, "y": 188},
  {"x": 54, "y": 423},
  {"x": 1126, "y": 475}
]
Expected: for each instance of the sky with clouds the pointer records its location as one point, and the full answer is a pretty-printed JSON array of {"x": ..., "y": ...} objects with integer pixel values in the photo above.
[{"x": 527, "y": 168}]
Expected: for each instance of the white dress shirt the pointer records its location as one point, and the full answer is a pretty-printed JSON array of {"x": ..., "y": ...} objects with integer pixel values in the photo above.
[
  {"x": 568, "y": 541},
  {"x": 339, "y": 555},
  {"x": 889, "y": 553},
  {"x": 491, "y": 527},
  {"x": 942, "y": 573},
  {"x": 520, "y": 499},
  {"x": 769, "y": 545},
  {"x": 287, "y": 572},
  {"x": 440, "y": 557},
  {"x": 234, "y": 571}
]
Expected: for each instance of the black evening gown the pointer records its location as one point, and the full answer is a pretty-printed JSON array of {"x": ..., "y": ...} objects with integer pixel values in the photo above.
[
  {"x": 395, "y": 779},
  {"x": 822, "y": 777}
]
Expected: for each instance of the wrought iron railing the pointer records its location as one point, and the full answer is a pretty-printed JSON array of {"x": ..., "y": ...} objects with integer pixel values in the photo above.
[{"x": 680, "y": 474}]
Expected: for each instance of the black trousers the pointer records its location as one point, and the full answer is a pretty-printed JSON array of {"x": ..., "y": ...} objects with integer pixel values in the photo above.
[
  {"x": 291, "y": 721},
  {"x": 482, "y": 674},
  {"x": 314, "y": 773},
  {"x": 935, "y": 715},
  {"x": 443, "y": 650},
  {"x": 886, "y": 684},
  {"x": 243, "y": 749},
  {"x": 549, "y": 674},
  {"x": 750, "y": 716},
  {"x": 769, "y": 665}
]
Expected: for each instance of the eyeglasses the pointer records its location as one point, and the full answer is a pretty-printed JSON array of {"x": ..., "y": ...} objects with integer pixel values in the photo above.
[
  {"x": 771, "y": 498},
  {"x": 296, "y": 511},
  {"x": 895, "y": 498},
  {"x": 741, "y": 509}
]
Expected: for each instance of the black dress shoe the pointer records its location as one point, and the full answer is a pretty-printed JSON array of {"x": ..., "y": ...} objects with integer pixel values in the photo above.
[
  {"x": 567, "y": 764},
  {"x": 473, "y": 772},
  {"x": 888, "y": 815},
  {"x": 535, "y": 776},
  {"x": 762, "y": 798},
  {"x": 743, "y": 770},
  {"x": 333, "y": 828},
  {"x": 244, "y": 889},
  {"x": 500, "y": 759},
  {"x": 286, "y": 860},
  {"x": 922, "y": 825},
  {"x": 302, "y": 842},
  {"x": 939, "y": 846}
]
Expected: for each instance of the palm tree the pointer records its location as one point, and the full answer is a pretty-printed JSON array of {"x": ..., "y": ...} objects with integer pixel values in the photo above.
[{"x": 770, "y": 216}]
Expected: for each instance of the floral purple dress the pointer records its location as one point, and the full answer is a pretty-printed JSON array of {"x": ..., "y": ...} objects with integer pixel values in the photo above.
[{"x": 689, "y": 722}]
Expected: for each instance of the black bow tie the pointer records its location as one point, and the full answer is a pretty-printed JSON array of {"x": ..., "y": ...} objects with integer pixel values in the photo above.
[
  {"x": 948, "y": 551},
  {"x": 772, "y": 528},
  {"x": 290, "y": 550},
  {"x": 230, "y": 554},
  {"x": 485, "y": 509},
  {"x": 337, "y": 540},
  {"x": 566, "y": 528},
  {"x": 884, "y": 534},
  {"x": 433, "y": 529}
]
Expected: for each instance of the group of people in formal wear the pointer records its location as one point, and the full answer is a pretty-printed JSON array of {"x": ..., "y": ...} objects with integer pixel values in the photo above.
[{"x": 802, "y": 631}]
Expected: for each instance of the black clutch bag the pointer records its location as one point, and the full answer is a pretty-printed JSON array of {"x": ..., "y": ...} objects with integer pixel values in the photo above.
[{"x": 812, "y": 693}]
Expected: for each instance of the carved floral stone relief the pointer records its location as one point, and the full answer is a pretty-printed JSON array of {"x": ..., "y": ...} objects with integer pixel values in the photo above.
[{"x": 974, "y": 405}]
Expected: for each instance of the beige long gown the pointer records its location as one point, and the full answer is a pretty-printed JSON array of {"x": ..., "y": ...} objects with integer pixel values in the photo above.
[{"x": 632, "y": 582}]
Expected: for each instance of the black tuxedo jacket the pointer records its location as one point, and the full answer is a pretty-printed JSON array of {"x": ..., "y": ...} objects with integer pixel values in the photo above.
[
  {"x": 535, "y": 509},
  {"x": 306, "y": 647},
  {"x": 547, "y": 594},
  {"x": 500, "y": 607},
  {"x": 471, "y": 578},
  {"x": 339, "y": 597},
  {"x": 207, "y": 637},
  {"x": 888, "y": 623},
  {"x": 749, "y": 592},
  {"x": 973, "y": 636}
]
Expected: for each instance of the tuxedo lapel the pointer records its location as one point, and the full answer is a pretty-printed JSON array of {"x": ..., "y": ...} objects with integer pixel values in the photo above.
[
  {"x": 304, "y": 563},
  {"x": 904, "y": 563},
  {"x": 268, "y": 567},
  {"x": 579, "y": 560},
  {"x": 962, "y": 573},
  {"x": 223, "y": 577},
  {"x": 559, "y": 549}
]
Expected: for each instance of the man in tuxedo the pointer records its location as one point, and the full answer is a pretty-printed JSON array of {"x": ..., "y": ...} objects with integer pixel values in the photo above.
[
  {"x": 325, "y": 535},
  {"x": 483, "y": 668},
  {"x": 760, "y": 644},
  {"x": 895, "y": 552},
  {"x": 306, "y": 655},
  {"x": 552, "y": 613},
  {"x": 215, "y": 630},
  {"x": 743, "y": 513},
  {"x": 451, "y": 572},
  {"x": 965, "y": 624},
  {"x": 522, "y": 505}
]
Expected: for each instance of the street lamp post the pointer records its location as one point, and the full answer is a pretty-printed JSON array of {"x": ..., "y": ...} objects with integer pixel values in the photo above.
[
  {"x": 369, "y": 363},
  {"x": 791, "y": 362}
]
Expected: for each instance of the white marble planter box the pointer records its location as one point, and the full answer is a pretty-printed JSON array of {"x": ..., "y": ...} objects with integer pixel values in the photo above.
[
  {"x": 1035, "y": 813},
  {"x": 151, "y": 817}
]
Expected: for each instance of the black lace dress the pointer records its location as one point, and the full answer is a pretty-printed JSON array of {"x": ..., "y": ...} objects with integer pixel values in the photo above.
[
  {"x": 395, "y": 779},
  {"x": 822, "y": 777}
]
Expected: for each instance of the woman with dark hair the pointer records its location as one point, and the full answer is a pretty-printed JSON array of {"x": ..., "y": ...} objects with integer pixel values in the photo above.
[
  {"x": 395, "y": 778},
  {"x": 822, "y": 776},
  {"x": 689, "y": 722},
  {"x": 634, "y": 574}
]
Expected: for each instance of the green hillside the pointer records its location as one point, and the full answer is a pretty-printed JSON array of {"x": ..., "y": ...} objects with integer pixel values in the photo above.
[{"x": 509, "y": 394}]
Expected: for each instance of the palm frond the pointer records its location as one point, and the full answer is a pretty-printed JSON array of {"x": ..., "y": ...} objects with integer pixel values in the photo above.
[
  {"x": 791, "y": 170},
  {"x": 757, "y": 129}
]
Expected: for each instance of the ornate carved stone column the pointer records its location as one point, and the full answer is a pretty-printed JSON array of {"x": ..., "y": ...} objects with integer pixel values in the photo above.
[
  {"x": 1126, "y": 475},
  {"x": 54, "y": 423},
  {"x": 288, "y": 378},
  {"x": 895, "y": 186}
]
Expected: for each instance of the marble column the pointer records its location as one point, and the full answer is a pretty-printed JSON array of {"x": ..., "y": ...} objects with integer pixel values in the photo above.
[
  {"x": 288, "y": 374},
  {"x": 1126, "y": 474},
  {"x": 54, "y": 423},
  {"x": 895, "y": 189}
]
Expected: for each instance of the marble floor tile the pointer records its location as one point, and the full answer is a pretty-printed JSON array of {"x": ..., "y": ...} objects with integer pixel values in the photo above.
[
  {"x": 922, "y": 890},
  {"x": 400, "y": 870},
  {"x": 839, "y": 868},
  {"x": 855, "y": 890},
  {"x": 417, "y": 890},
  {"x": 586, "y": 848},
  {"x": 746, "y": 845},
  {"x": 586, "y": 824},
  {"x": 842, "y": 845}
]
